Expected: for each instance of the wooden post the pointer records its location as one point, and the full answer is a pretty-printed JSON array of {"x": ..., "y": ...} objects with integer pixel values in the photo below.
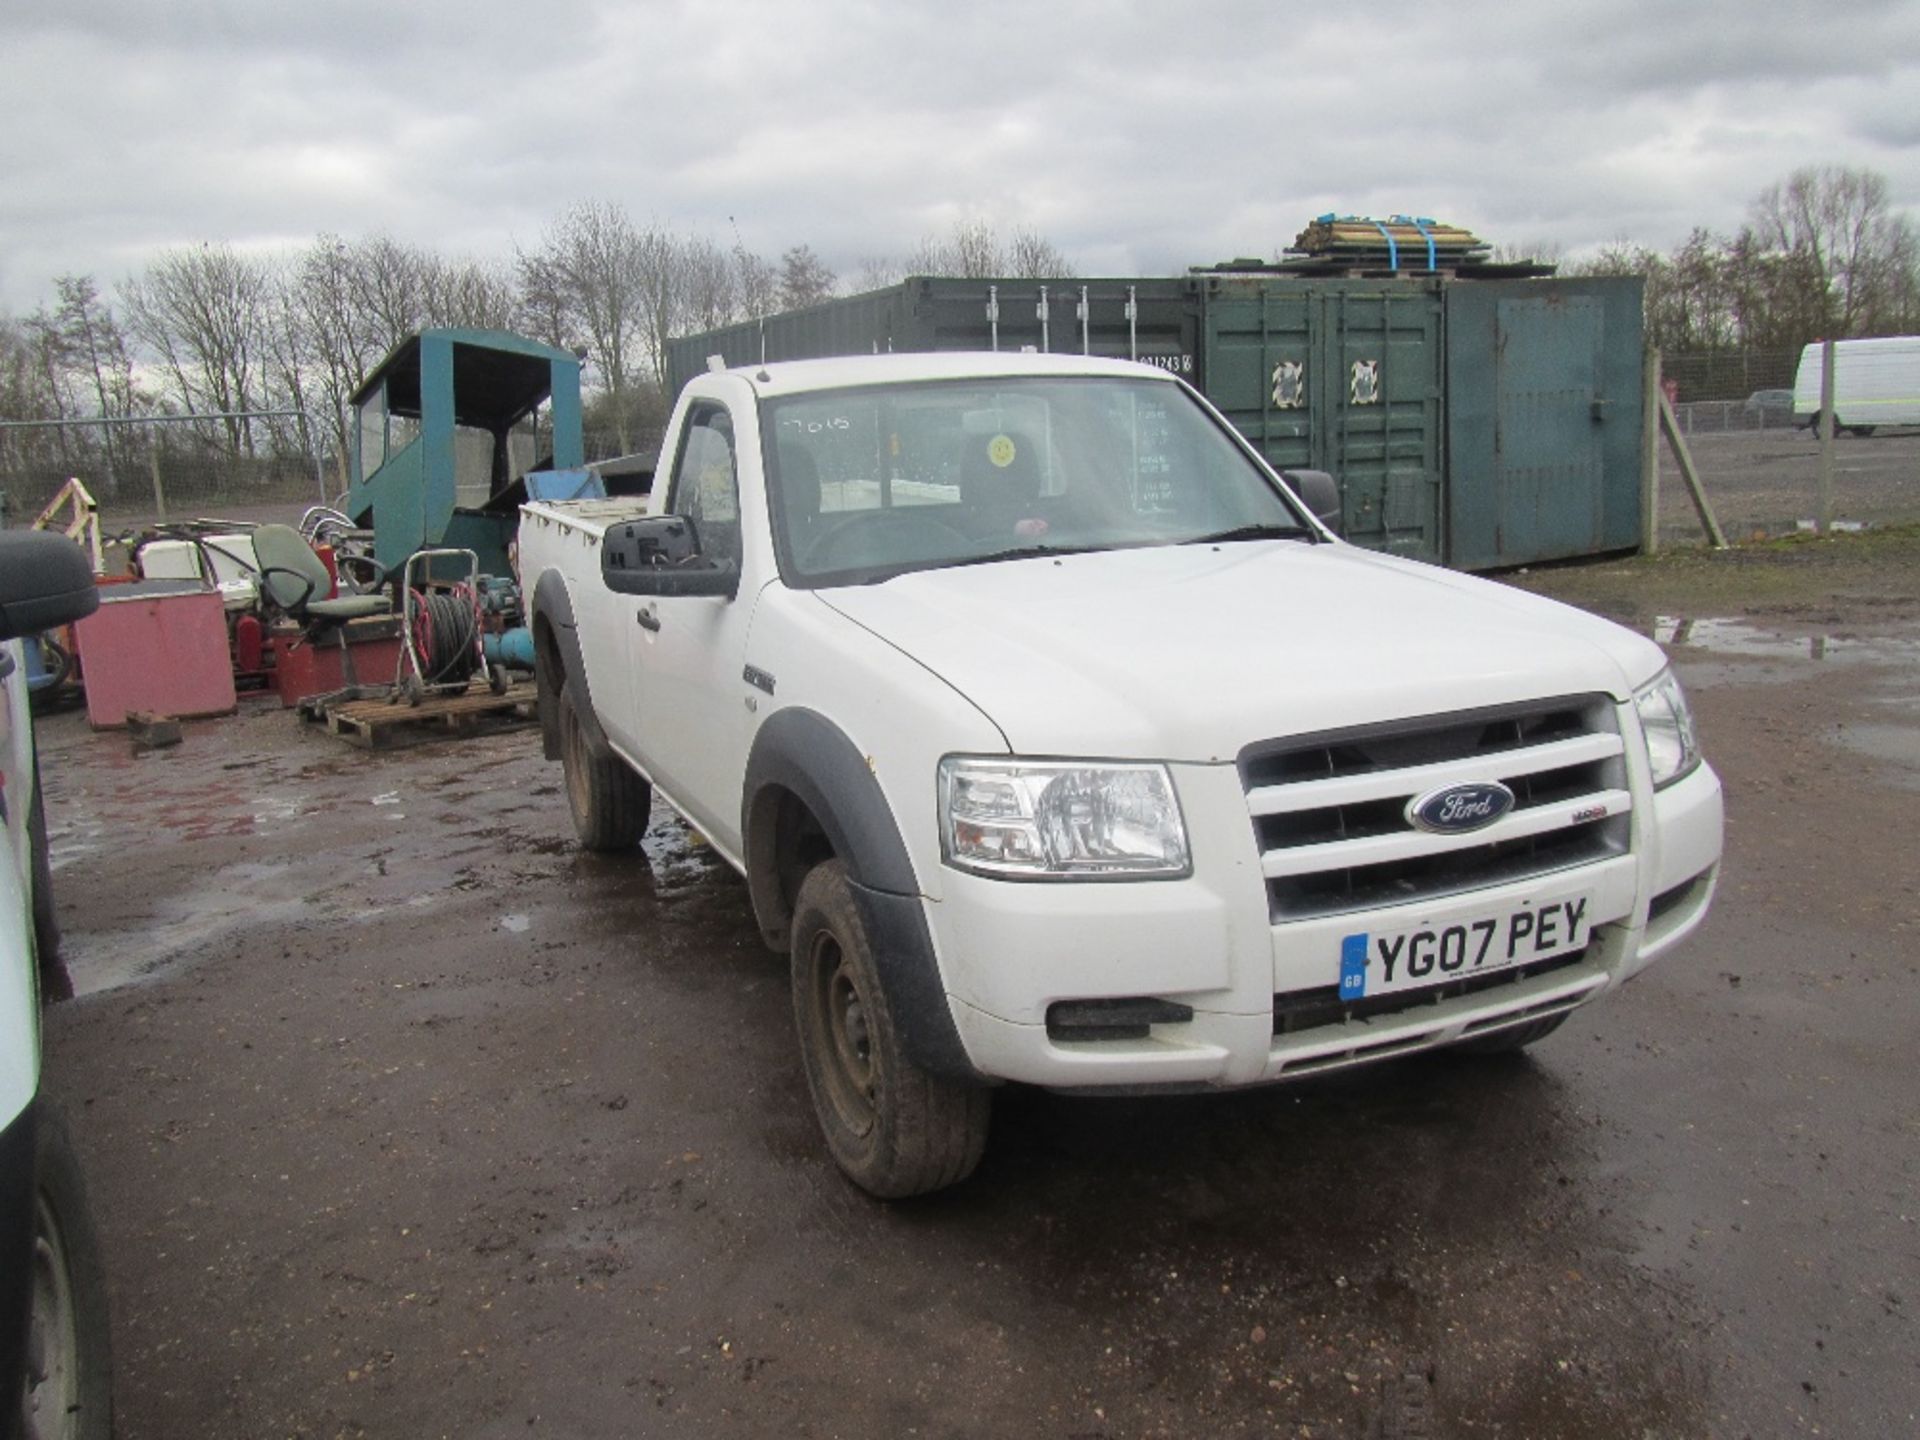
[
  {"x": 159, "y": 491},
  {"x": 1650, "y": 453},
  {"x": 1823, "y": 517},
  {"x": 1692, "y": 476}
]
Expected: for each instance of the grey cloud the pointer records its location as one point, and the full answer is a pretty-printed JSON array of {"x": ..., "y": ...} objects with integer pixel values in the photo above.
[{"x": 1134, "y": 140}]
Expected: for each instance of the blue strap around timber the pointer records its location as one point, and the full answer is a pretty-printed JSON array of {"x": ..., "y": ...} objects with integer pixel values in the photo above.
[
  {"x": 1393, "y": 250},
  {"x": 1426, "y": 235}
]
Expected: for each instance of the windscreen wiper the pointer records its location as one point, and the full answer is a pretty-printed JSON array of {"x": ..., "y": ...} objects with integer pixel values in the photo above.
[
  {"x": 1017, "y": 552},
  {"x": 1261, "y": 531}
]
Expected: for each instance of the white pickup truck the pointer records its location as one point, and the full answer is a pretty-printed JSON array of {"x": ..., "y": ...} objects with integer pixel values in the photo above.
[{"x": 1060, "y": 742}]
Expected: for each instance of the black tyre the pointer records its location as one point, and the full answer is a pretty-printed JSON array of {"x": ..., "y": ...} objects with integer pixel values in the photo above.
[
  {"x": 892, "y": 1127},
  {"x": 609, "y": 802},
  {"x": 54, "y": 981},
  {"x": 68, "y": 1392},
  {"x": 1516, "y": 1037}
]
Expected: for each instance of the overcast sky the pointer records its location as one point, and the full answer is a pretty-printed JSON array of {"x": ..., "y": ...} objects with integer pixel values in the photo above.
[{"x": 1140, "y": 138}]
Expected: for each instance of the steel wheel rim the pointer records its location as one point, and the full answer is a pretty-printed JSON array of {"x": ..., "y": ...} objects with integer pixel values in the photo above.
[
  {"x": 52, "y": 1382},
  {"x": 841, "y": 1017}
]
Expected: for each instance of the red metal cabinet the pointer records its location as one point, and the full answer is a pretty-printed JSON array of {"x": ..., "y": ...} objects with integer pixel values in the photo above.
[{"x": 155, "y": 645}]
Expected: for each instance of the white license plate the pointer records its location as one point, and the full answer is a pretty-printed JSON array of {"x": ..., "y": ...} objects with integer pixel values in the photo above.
[{"x": 1378, "y": 962}]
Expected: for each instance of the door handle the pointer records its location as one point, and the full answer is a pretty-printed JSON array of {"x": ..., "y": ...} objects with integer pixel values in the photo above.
[{"x": 649, "y": 620}]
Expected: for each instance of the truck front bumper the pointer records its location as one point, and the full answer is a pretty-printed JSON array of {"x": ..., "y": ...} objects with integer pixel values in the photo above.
[{"x": 1261, "y": 994}]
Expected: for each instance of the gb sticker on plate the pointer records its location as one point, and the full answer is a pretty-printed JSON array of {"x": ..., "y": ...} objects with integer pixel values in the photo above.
[{"x": 1353, "y": 967}]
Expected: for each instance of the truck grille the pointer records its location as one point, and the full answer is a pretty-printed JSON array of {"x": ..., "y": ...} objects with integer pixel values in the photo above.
[{"x": 1330, "y": 811}]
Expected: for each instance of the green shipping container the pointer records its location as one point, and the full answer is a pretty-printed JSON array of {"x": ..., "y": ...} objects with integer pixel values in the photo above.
[{"x": 1476, "y": 423}]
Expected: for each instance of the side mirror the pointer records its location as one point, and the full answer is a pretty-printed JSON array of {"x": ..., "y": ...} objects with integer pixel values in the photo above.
[
  {"x": 660, "y": 556},
  {"x": 1320, "y": 494},
  {"x": 45, "y": 581}
]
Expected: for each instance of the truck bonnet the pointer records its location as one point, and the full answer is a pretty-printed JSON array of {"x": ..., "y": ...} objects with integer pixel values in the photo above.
[{"x": 1192, "y": 652}]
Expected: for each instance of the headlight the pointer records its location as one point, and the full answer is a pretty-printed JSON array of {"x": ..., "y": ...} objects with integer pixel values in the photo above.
[
  {"x": 1060, "y": 820},
  {"x": 1665, "y": 720}
]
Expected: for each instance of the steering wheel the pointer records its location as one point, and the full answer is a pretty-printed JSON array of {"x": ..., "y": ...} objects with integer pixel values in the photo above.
[{"x": 853, "y": 541}]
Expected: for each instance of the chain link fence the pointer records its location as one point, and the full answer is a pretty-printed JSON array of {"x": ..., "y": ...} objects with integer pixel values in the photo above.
[
  {"x": 1760, "y": 472},
  {"x": 1728, "y": 375},
  {"x": 1765, "y": 484},
  {"x": 146, "y": 471},
  {"x": 1760, "y": 466},
  {"x": 142, "y": 473}
]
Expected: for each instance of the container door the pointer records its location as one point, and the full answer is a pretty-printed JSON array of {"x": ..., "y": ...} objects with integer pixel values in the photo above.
[
  {"x": 1546, "y": 361},
  {"x": 1543, "y": 420},
  {"x": 1343, "y": 378}
]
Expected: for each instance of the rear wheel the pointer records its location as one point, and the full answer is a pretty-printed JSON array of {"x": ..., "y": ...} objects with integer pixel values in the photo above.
[
  {"x": 895, "y": 1129},
  {"x": 1517, "y": 1037},
  {"x": 68, "y": 1388},
  {"x": 608, "y": 801}
]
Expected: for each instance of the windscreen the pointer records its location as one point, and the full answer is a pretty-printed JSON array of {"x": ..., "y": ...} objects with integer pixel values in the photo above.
[{"x": 874, "y": 482}]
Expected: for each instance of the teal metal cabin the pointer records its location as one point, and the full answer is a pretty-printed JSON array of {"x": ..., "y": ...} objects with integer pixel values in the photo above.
[{"x": 448, "y": 419}]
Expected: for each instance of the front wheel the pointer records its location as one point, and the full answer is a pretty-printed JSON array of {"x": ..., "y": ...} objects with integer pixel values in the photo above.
[
  {"x": 68, "y": 1388},
  {"x": 608, "y": 800},
  {"x": 55, "y": 983},
  {"x": 895, "y": 1129}
]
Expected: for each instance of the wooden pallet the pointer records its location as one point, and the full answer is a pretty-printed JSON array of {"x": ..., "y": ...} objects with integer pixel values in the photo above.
[{"x": 387, "y": 725}]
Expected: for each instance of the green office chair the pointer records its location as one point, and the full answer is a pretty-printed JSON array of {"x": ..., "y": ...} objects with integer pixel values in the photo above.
[{"x": 291, "y": 575}]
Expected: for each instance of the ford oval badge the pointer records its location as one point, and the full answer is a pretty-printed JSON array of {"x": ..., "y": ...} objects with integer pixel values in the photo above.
[{"x": 1457, "y": 809}]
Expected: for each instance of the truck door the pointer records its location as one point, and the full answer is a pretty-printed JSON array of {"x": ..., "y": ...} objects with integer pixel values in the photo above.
[{"x": 688, "y": 651}]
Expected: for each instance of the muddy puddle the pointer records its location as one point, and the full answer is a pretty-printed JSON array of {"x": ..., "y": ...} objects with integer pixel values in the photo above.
[{"x": 1743, "y": 639}]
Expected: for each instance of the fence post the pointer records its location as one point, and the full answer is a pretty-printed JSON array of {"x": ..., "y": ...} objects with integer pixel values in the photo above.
[
  {"x": 312, "y": 441},
  {"x": 159, "y": 490},
  {"x": 1823, "y": 518},
  {"x": 1650, "y": 452}
]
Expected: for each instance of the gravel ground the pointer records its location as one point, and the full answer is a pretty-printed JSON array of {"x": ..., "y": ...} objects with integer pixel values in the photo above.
[{"x": 404, "y": 1117}]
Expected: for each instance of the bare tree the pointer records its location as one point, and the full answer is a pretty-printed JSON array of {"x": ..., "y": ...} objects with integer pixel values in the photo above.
[
  {"x": 293, "y": 359},
  {"x": 201, "y": 312},
  {"x": 662, "y": 298},
  {"x": 469, "y": 294},
  {"x": 709, "y": 285},
  {"x": 1031, "y": 256},
  {"x": 330, "y": 334},
  {"x": 49, "y": 358},
  {"x": 592, "y": 276},
  {"x": 756, "y": 284},
  {"x": 542, "y": 300},
  {"x": 96, "y": 344},
  {"x": 1858, "y": 254},
  {"x": 389, "y": 284},
  {"x": 971, "y": 250},
  {"x": 878, "y": 272},
  {"x": 804, "y": 279}
]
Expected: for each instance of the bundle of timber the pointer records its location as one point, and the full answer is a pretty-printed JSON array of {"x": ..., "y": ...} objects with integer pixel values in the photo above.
[{"x": 1401, "y": 242}]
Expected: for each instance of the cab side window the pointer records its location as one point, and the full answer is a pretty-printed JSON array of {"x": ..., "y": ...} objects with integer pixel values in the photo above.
[{"x": 706, "y": 487}]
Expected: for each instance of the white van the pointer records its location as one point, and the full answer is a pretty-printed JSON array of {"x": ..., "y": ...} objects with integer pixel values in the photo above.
[{"x": 1875, "y": 382}]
